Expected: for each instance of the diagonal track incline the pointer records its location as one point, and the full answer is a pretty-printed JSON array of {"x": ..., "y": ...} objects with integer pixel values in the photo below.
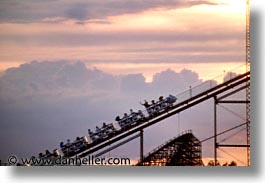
[{"x": 178, "y": 107}]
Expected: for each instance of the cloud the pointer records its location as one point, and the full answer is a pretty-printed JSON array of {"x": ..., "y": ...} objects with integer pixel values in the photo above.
[
  {"x": 134, "y": 38},
  {"x": 43, "y": 103},
  {"x": 78, "y": 11},
  {"x": 173, "y": 81},
  {"x": 37, "y": 10},
  {"x": 120, "y": 37},
  {"x": 134, "y": 83},
  {"x": 135, "y": 46}
]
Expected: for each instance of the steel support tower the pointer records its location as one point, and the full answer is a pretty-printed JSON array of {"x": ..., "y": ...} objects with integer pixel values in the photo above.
[{"x": 248, "y": 82}]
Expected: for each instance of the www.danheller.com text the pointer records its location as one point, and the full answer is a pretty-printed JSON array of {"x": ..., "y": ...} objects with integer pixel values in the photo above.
[{"x": 62, "y": 161}]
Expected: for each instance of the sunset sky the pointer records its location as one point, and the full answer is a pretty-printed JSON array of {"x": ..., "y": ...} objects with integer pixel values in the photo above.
[
  {"x": 121, "y": 45},
  {"x": 124, "y": 36}
]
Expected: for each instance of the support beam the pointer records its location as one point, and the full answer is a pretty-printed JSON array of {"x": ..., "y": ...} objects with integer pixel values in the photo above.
[
  {"x": 234, "y": 101},
  {"x": 215, "y": 131},
  {"x": 223, "y": 132},
  {"x": 232, "y": 145},
  {"x": 141, "y": 145},
  {"x": 232, "y": 92}
]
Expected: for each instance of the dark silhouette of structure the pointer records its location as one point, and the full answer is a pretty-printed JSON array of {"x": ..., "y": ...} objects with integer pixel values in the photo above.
[{"x": 183, "y": 150}]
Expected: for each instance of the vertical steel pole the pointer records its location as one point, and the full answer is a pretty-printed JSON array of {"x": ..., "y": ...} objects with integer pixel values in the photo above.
[
  {"x": 141, "y": 146},
  {"x": 215, "y": 131}
]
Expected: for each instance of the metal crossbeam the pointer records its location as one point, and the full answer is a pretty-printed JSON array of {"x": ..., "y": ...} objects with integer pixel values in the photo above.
[
  {"x": 223, "y": 132},
  {"x": 232, "y": 92},
  {"x": 231, "y": 145},
  {"x": 234, "y": 101}
]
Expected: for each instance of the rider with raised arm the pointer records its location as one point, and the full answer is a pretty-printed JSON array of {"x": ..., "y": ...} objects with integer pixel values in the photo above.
[{"x": 145, "y": 104}]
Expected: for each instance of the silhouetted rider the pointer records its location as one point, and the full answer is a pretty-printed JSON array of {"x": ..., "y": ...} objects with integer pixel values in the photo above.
[{"x": 145, "y": 104}]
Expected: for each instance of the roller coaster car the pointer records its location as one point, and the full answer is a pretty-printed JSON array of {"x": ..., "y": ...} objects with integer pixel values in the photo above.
[
  {"x": 129, "y": 120},
  {"x": 92, "y": 135},
  {"x": 171, "y": 99},
  {"x": 107, "y": 130},
  {"x": 65, "y": 147},
  {"x": 48, "y": 154},
  {"x": 71, "y": 147},
  {"x": 81, "y": 142},
  {"x": 160, "y": 106},
  {"x": 56, "y": 153}
]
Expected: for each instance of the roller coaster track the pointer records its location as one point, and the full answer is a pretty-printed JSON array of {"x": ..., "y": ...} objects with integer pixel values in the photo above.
[{"x": 178, "y": 107}]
